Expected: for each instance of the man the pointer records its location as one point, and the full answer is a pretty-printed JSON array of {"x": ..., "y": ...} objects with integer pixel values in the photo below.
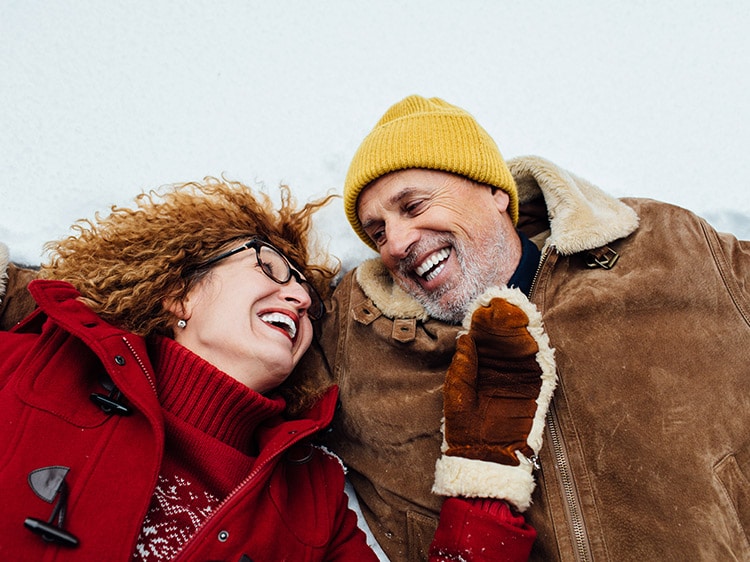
[{"x": 646, "y": 449}]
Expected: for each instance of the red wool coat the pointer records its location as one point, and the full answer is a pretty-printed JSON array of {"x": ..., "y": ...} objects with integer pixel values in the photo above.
[{"x": 291, "y": 506}]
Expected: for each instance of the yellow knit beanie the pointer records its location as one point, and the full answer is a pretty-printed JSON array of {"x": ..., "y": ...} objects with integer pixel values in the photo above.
[{"x": 426, "y": 133}]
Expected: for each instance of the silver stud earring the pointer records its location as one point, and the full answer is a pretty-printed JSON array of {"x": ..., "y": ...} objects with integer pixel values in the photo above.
[{"x": 181, "y": 323}]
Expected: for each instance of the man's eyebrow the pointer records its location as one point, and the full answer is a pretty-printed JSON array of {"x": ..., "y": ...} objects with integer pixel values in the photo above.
[
  {"x": 390, "y": 202},
  {"x": 405, "y": 192},
  {"x": 370, "y": 223}
]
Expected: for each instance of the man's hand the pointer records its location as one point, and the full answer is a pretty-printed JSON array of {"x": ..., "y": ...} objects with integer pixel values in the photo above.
[{"x": 496, "y": 395}]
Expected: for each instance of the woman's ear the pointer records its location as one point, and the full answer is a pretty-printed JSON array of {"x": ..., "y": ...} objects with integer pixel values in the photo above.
[{"x": 176, "y": 307}]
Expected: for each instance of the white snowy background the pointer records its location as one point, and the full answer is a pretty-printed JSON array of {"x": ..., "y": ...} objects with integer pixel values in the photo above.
[{"x": 100, "y": 100}]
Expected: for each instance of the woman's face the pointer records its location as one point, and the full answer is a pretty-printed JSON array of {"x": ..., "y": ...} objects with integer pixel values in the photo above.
[{"x": 246, "y": 324}]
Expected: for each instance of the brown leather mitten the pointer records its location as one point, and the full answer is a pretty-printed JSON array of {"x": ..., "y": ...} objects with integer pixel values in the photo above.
[{"x": 496, "y": 394}]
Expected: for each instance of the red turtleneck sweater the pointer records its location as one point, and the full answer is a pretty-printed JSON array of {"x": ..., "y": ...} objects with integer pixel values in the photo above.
[{"x": 210, "y": 420}]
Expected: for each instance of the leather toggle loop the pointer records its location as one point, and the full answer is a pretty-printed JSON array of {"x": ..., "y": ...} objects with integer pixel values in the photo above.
[
  {"x": 365, "y": 312},
  {"x": 404, "y": 329},
  {"x": 48, "y": 483},
  {"x": 50, "y": 533},
  {"x": 112, "y": 403}
]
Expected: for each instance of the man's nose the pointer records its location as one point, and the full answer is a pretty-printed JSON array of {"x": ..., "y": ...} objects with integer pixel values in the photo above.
[{"x": 400, "y": 238}]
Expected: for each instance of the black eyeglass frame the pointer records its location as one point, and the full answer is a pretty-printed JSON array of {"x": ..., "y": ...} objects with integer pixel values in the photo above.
[{"x": 317, "y": 308}]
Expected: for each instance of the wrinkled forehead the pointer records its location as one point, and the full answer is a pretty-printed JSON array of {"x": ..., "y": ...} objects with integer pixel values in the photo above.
[
  {"x": 383, "y": 193},
  {"x": 390, "y": 190}
]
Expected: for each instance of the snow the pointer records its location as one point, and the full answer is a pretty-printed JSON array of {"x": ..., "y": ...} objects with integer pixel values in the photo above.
[{"x": 100, "y": 101}]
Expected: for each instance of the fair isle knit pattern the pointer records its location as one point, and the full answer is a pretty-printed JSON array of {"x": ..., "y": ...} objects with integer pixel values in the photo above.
[{"x": 177, "y": 510}]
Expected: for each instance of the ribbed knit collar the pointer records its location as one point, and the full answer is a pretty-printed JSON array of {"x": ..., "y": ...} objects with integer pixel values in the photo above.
[{"x": 201, "y": 395}]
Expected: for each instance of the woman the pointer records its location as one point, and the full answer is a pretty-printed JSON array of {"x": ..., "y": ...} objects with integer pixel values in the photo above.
[{"x": 145, "y": 405}]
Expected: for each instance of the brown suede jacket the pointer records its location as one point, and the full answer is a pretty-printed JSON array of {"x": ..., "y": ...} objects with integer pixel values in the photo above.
[
  {"x": 15, "y": 301},
  {"x": 646, "y": 452}
]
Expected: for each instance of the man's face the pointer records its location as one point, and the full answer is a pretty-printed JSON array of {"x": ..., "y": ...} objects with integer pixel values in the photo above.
[{"x": 444, "y": 238}]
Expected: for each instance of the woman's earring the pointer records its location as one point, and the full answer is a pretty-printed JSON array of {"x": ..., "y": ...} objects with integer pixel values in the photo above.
[{"x": 181, "y": 323}]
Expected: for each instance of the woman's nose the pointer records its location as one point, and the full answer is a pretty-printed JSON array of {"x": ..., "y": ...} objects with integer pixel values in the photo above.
[{"x": 294, "y": 291}]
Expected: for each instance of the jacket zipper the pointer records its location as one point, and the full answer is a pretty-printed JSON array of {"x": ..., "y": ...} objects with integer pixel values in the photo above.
[
  {"x": 142, "y": 365},
  {"x": 578, "y": 529},
  {"x": 570, "y": 494},
  {"x": 543, "y": 259}
]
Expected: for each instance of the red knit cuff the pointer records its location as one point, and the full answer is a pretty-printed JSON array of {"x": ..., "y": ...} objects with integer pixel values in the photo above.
[
  {"x": 499, "y": 509},
  {"x": 469, "y": 527}
]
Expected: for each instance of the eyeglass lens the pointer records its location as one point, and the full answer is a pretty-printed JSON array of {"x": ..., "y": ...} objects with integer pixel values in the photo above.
[
  {"x": 277, "y": 268},
  {"x": 274, "y": 264}
]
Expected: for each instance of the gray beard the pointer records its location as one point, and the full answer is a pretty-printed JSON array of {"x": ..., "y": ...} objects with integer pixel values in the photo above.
[
  {"x": 453, "y": 309},
  {"x": 449, "y": 303}
]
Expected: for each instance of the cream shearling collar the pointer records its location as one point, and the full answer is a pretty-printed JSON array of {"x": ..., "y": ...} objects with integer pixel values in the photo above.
[
  {"x": 582, "y": 217},
  {"x": 390, "y": 299}
]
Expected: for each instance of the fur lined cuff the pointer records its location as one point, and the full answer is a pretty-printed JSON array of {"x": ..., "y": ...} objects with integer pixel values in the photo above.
[{"x": 470, "y": 478}]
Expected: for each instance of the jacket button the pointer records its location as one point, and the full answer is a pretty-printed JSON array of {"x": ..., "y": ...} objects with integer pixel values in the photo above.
[
  {"x": 120, "y": 360},
  {"x": 223, "y": 536}
]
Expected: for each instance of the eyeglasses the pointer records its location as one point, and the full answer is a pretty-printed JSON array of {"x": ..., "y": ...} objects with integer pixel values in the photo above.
[{"x": 277, "y": 267}]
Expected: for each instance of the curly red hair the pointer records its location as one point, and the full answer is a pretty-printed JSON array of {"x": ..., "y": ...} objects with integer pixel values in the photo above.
[{"x": 125, "y": 264}]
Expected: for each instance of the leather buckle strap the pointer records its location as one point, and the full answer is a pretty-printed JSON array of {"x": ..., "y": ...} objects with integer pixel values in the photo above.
[{"x": 604, "y": 257}]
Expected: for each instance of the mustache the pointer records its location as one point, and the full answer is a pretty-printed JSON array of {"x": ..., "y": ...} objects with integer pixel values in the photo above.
[{"x": 425, "y": 247}]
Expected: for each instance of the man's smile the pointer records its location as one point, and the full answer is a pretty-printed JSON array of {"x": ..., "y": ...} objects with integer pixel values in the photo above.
[{"x": 433, "y": 265}]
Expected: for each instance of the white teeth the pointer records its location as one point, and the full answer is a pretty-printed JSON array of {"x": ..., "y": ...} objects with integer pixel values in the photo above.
[
  {"x": 434, "y": 273},
  {"x": 431, "y": 262},
  {"x": 276, "y": 318}
]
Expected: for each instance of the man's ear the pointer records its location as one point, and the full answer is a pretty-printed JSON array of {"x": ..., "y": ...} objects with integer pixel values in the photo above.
[{"x": 501, "y": 198}]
